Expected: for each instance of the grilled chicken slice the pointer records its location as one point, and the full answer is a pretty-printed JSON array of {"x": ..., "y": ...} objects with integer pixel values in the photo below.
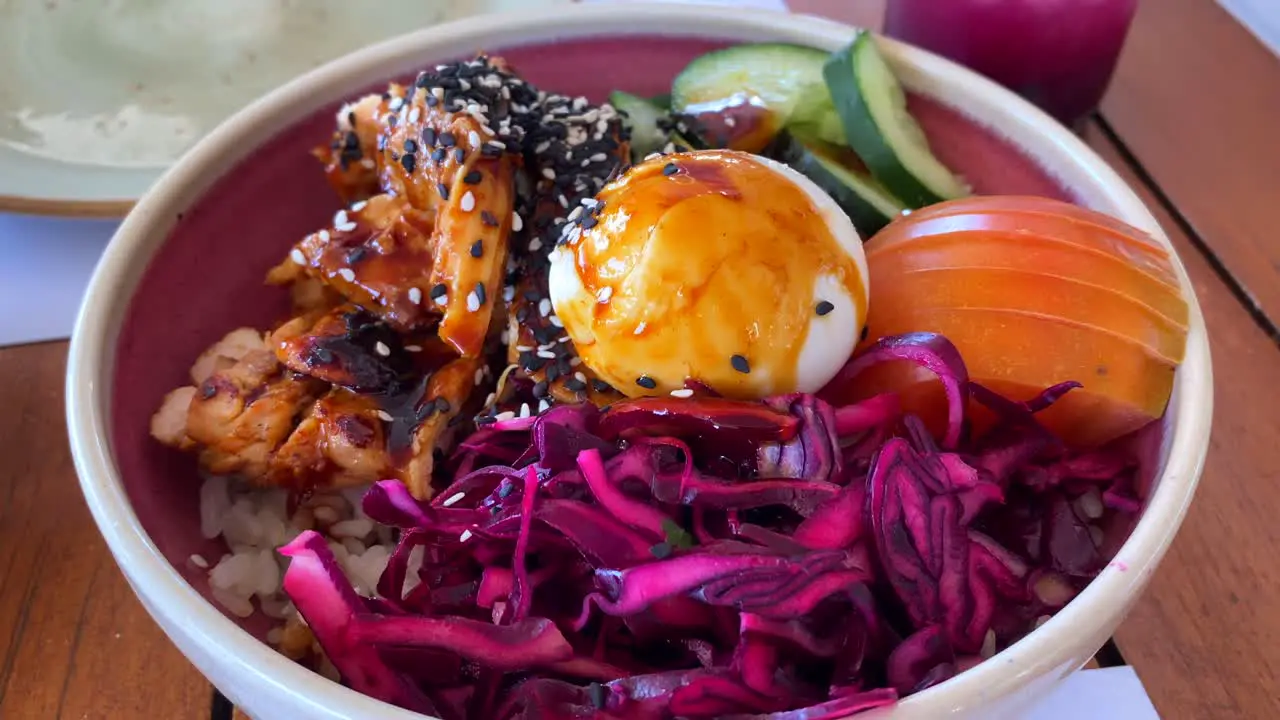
[
  {"x": 239, "y": 416},
  {"x": 435, "y": 240}
]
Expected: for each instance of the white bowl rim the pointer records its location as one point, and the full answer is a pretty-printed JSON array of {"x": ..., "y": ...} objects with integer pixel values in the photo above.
[{"x": 166, "y": 594}]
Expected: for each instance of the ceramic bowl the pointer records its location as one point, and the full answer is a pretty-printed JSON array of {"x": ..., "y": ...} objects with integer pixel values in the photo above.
[{"x": 187, "y": 265}]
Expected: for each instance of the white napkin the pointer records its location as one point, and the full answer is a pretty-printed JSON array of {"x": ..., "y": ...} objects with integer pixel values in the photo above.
[
  {"x": 45, "y": 264},
  {"x": 1261, "y": 17}
]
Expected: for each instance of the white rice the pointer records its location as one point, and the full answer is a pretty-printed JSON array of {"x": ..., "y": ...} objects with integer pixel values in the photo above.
[{"x": 254, "y": 523}]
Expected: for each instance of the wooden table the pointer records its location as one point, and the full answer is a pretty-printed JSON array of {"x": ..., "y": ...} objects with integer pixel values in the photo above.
[{"x": 1191, "y": 122}]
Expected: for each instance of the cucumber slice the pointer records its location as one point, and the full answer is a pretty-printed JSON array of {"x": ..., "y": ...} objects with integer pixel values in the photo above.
[
  {"x": 864, "y": 200},
  {"x": 873, "y": 109},
  {"x": 785, "y": 80},
  {"x": 644, "y": 120}
]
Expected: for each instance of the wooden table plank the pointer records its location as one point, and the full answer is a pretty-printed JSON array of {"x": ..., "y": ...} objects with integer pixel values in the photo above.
[
  {"x": 1197, "y": 99},
  {"x": 1205, "y": 638},
  {"x": 76, "y": 642}
]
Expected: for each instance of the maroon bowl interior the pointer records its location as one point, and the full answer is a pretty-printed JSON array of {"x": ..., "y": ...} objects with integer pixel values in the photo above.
[{"x": 207, "y": 279}]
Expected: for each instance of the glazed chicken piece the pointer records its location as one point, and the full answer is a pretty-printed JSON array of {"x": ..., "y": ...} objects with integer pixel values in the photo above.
[
  {"x": 238, "y": 416},
  {"x": 433, "y": 242}
]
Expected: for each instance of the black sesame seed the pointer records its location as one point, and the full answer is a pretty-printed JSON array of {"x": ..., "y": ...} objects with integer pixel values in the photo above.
[
  {"x": 439, "y": 290},
  {"x": 482, "y": 420},
  {"x": 432, "y": 100},
  {"x": 424, "y": 80},
  {"x": 646, "y": 382},
  {"x": 487, "y": 218},
  {"x": 351, "y": 118},
  {"x": 573, "y": 384},
  {"x": 553, "y": 373},
  {"x": 477, "y": 249},
  {"x": 522, "y": 314},
  {"x": 438, "y": 155},
  {"x": 533, "y": 363},
  {"x": 480, "y": 292},
  {"x": 589, "y": 222},
  {"x": 443, "y": 190},
  {"x": 824, "y": 307},
  {"x": 411, "y": 146},
  {"x": 408, "y": 162},
  {"x": 428, "y": 136},
  {"x": 865, "y": 332},
  {"x": 540, "y": 389},
  {"x": 472, "y": 178},
  {"x": 740, "y": 364},
  {"x": 356, "y": 254},
  {"x": 459, "y": 155},
  {"x": 670, "y": 169},
  {"x": 601, "y": 386},
  {"x": 208, "y": 389},
  {"x": 447, "y": 139},
  {"x": 442, "y": 405},
  {"x": 491, "y": 151}
]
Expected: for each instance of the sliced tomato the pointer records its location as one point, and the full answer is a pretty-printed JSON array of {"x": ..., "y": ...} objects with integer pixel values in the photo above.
[
  {"x": 1056, "y": 210},
  {"x": 1029, "y": 291},
  {"x": 1020, "y": 353},
  {"x": 1032, "y": 227},
  {"x": 1011, "y": 251}
]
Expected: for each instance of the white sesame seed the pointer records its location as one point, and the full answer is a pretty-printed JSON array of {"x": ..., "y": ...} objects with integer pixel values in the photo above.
[
  {"x": 479, "y": 376},
  {"x": 548, "y": 173},
  {"x": 199, "y": 561},
  {"x": 542, "y": 147},
  {"x": 535, "y": 245},
  {"x": 524, "y": 410},
  {"x": 599, "y": 157},
  {"x": 574, "y": 361},
  {"x": 590, "y": 202},
  {"x": 415, "y": 296},
  {"x": 442, "y": 300},
  {"x": 385, "y": 416},
  {"x": 544, "y": 307},
  {"x": 413, "y": 348},
  {"x": 524, "y": 348},
  {"x": 564, "y": 201},
  {"x": 368, "y": 163},
  {"x": 323, "y": 235},
  {"x": 381, "y": 348},
  {"x": 652, "y": 156},
  {"x": 546, "y": 354},
  {"x": 508, "y": 293},
  {"x": 639, "y": 328},
  {"x": 474, "y": 138},
  {"x": 347, "y": 274},
  {"x": 586, "y": 162},
  {"x": 414, "y": 114},
  {"x": 604, "y": 294},
  {"x": 682, "y": 393},
  {"x": 395, "y": 103},
  {"x": 465, "y": 536},
  {"x": 517, "y": 224},
  {"x": 602, "y": 126},
  {"x": 463, "y": 84},
  {"x": 580, "y": 377},
  {"x": 359, "y": 206},
  {"x": 340, "y": 218},
  {"x": 454, "y": 498},
  {"x": 575, "y": 213},
  {"x": 297, "y": 256},
  {"x": 564, "y": 339},
  {"x": 730, "y": 122},
  {"x": 503, "y": 416},
  {"x": 555, "y": 320},
  {"x": 468, "y": 202},
  {"x": 543, "y": 405},
  {"x": 473, "y": 301}
]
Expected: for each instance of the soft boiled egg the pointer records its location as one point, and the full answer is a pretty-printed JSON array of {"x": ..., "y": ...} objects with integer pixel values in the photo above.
[{"x": 714, "y": 266}]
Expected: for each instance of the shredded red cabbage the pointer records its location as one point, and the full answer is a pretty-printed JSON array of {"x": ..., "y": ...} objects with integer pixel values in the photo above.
[{"x": 707, "y": 558}]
